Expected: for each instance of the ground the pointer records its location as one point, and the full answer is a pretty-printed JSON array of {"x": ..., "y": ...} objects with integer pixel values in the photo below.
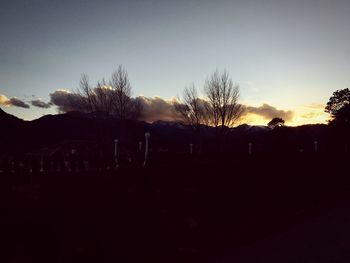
[{"x": 183, "y": 209}]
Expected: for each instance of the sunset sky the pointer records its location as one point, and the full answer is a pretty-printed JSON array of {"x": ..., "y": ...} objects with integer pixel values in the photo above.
[{"x": 287, "y": 56}]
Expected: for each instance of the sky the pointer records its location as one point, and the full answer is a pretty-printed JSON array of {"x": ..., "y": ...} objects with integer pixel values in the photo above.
[{"x": 289, "y": 56}]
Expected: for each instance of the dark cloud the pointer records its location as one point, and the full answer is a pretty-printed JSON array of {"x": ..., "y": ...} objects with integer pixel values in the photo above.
[
  {"x": 159, "y": 109},
  {"x": 19, "y": 103},
  {"x": 13, "y": 102},
  {"x": 65, "y": 101},
  {"x": 268, "y": 112},
  {"x": 154, "y": 109},
  {"x": 41, "y": 104}
]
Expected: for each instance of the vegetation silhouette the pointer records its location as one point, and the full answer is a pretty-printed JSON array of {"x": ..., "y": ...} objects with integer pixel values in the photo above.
[
  {"x": 339, "y": 108},
  {"x": 223, "y": 108},
  {"x": 275, "y": 122},
  {"x": 337, "y": 102},
  {"x": 112, "y": 97},
  {"x": 109, "y": 98}
]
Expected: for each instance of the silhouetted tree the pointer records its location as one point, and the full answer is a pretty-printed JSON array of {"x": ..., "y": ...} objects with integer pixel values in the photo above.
[
  {"x": 223, "y": 108},
  {"x": 86, "y": 94},
  {"x": 339, "y": 108},
  {"x": 191, "y": 110},
  {"x": 276, "y": 122},
  {"x": 340, "y": 125},
  {"x": 337, "y": 102},
  {"x": 343, "y": 115},
  {"x": 123, "y": 105},
  {"x": 113, "y": 97}
]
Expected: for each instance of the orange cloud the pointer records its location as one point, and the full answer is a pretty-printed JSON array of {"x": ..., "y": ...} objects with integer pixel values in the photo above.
[
  {"x": 4, "y": 100},
  {"x": 311, "y": 114}
]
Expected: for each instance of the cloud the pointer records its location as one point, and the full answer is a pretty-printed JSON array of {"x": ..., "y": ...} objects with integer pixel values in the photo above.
[
  {"x": 19, "y": 103},
  {"x": 157, "y": 108},
  {"x": 313, "y": 113},
  {"x": 154, "y": 109},
  {"x": 13, "y": 102},
  {"x": 65, "y": 101},
  {"x": 41, "y": 104},
  {"x": 268, "y": 112},
  {"x": 310, "y": 115},
  {"x": 315, "y": 106}
]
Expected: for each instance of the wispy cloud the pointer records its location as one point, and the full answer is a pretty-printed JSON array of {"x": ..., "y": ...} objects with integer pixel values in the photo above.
[
  {"x": 311, "y": 114},
  {"x": 315, "y": 106}
]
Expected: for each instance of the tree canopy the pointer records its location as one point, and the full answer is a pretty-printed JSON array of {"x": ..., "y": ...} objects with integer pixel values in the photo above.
[
  {"x": 276, "y": 122},
  {"x": 337, "y": 102},
  {"x": 223, "y": 108},
  {"x": 113, "y": 97},
  {"x": 191, "y": 109}
]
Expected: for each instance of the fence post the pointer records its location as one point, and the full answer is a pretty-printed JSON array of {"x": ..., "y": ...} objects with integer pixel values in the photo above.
[
  {"x": 116, "y": 153},
  {"x": 147, "y": 136}
]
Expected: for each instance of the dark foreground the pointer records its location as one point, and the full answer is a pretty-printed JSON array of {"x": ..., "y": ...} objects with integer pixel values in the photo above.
[
  {"x": 322, "y": 238},
  {"x": 184, "y": 210}
]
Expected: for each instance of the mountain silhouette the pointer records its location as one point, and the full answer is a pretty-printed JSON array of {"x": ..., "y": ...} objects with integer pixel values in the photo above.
[{"x": 17, "y": 135}]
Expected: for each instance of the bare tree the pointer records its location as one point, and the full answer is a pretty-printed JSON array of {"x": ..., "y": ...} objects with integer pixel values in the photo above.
[
  {"x": 83, "y": 98},
  {"x": 223, "y": 107},
  {"x": 113, "y": 97},
  {"x": 98, "y": 98},
  {"x": 191, "y": 109},
  {"x": 122, "y": 93},
  {"x": 135, "y": 109},
  {"x": 104, "y": 97},
  {"x": 86, "y": 92}
]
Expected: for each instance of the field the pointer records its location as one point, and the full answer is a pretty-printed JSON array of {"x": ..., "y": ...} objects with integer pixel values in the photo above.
[{"x": 177, "y": 209}]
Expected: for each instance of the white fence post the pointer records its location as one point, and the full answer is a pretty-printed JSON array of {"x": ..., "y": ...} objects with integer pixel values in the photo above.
[
  {"x": 147, "y": 136},
  {"x": 250, "y": 148},
  {"x": 316, "y": 146}
]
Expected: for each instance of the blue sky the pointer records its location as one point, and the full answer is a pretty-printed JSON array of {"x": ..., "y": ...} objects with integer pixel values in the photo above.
[{"x": 288, "y": 54}]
